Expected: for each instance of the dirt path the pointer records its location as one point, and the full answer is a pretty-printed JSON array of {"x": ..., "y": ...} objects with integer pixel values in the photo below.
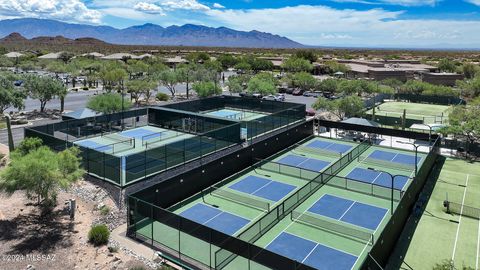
[{"x": 54, "y": 241}]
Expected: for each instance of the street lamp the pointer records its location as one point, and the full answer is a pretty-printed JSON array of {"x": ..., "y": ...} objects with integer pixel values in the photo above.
[
  {"x": 393, "y": 180},
  {"x": 416, "y": 153}
]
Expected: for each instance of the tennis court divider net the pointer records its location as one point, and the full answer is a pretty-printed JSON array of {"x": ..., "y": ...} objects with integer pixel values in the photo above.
[
  {"x": 323, "y": 224},
  {"x": 240, "y": 198},
  {"x": 384, "y": 163},
  {"x": 365, "y": 188},
  {"x": 158, "y": 136},
  {"x": 318, "y": 151},
  {"x": 289, "y": 170},
  {"x": 462, "y": 209}
]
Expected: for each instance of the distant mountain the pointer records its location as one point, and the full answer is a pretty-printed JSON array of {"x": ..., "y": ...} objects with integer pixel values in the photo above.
[
  {"x": 16, "y": 38},
  {"x": 148, "y": 34}
]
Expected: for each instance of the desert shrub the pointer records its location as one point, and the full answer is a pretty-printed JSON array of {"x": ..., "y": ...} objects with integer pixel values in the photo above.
[
  {"x": 162, "y": 97},
  {"x": 98, "y": 235}
]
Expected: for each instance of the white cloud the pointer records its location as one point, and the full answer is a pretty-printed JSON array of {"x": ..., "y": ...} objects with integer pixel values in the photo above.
[
  {"x": 475, "y": 2},
  {"x": 149, "y": 8},
  {"x": 184, "y": 4},
  {"x": 217, "y": 5},
  {"x": 393, "y": 2},
  {"x": 66, "y": 10},
  {"x": 321, "y": 25}
]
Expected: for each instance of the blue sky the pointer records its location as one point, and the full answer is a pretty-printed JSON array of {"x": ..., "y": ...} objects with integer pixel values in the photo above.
[{"x": 345, "y": 23}]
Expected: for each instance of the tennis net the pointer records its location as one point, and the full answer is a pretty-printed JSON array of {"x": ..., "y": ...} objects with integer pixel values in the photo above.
[
  {"x": 239, "y": 198},
  {"x": 318, "y": 151},
  {"x": 385, "y": 163},
  {"x": 157, "y": 137},
  {"x": 461, "y": 209},
  {"x": 323, "y": 224},
  {"x": 117, "y": 137},
  {"x": 289, "y": 170}
]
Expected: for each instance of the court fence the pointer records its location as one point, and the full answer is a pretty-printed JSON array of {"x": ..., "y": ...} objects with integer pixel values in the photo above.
[
  {"x": 277, "y": 114},
  {"x": 105, "y": 163},
  {"x": 414, "y": 98},
  {"x": 219, "y": 249},
  {"x": 149, "y": 221}
]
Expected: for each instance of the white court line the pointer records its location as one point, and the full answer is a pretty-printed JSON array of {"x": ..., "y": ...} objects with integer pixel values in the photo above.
[
  {"x": 478, "y": 245},
  {"x": 269, "y": 181},
  {"x": 379, "y": 173},
  {"x": 311, "y": 251},
  {"x": 344, "y": 213},
  {"x": 460, "y": 219}
]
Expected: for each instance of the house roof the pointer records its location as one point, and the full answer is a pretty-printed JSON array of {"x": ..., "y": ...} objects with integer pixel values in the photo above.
[
  {"x": 50, "y": 55},
  {"x": 13, "y": 54},
  {"x": 120, "y": 56}
]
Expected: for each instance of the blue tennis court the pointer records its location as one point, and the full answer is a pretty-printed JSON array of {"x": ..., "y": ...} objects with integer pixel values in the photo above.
[
  {"x": 263, "y": 188},
  {"x": 311, "y": 253},
  {"x": 214, "y": 218},
  {"x": 378, "y": 178},
  {"x": 226, "y": 114},
  {"x": 136, "y": 133},
  {"x": 395, "y": 157},
  {"x": 310, "y": 164},
  {"x": 330, "y": 146},
  {"x": 356, "y": 213},
  {"x": 94, "y": 145}
]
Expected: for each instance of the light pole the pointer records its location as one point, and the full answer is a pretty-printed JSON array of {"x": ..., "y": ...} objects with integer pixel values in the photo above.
[
  {"x": 393, "y": 180},
  {"x": 416, "y": 153},
  {"x": 429, "y": 133}
]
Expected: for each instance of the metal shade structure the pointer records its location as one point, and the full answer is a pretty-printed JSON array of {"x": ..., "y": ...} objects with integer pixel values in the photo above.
[{"x": 361, "y": 121}]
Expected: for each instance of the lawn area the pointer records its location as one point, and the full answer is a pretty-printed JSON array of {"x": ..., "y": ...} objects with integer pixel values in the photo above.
[
  {"x": 440, "y": 236},
  {"x": 429, "y": 113}
]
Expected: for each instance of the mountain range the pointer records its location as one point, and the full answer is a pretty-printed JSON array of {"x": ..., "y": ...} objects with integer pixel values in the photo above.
[{"x": 148, "y": 34}]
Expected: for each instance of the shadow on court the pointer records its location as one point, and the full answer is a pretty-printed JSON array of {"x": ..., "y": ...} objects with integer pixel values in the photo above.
[{"x": 396, "y": 260}]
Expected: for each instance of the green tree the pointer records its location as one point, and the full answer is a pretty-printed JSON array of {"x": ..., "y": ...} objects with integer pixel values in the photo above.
[
  {"x": 227, "y": 60},
  {"x": 393, "y": 83},
  {"x": 139, "y": 88},
  {"x": 309, "y": 55},
  {"x": 348, "y": 106},
  {"x": 198, "y": 57},
  {"x": 28, "y": 145},
  {"x": 9, "y": 96},
  {"x": 243, "y": 66},
  {"x": 41, "y": 173},
  {"x": 169, "y": 79},
  {"x": 108, "y": 103},
  {"x": 206, "y": 89},
  {"x": 333, "y": 67},
  {"x": 136, "y": 68},
  {"x": 446, "y": 65},
  {"x": 303, "y": 80},
  {"x": 237, "y": 84},
  {"x": 65, "y": 57},
  {"x": 327, "y": 85},
  {"x": 470, "y": 88},
  {"x": 44, "y": 89},
  {"x": 295, "y": 64},
  {"x": 470, "y": 70},
  {"x": 113, "y": 78},
  {"x": 262, "y": 83}
]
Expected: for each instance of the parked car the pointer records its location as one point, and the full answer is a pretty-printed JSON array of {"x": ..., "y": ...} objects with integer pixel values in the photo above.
[
  {"x": 282, "y": 89},
  {"x": 307, "y": 93},
  {"x": 257, "y": 95},
  {"x": 18, "y": 83},
  {"x": 277, "y": 97},
  {"x": 298, "y": 92}
]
